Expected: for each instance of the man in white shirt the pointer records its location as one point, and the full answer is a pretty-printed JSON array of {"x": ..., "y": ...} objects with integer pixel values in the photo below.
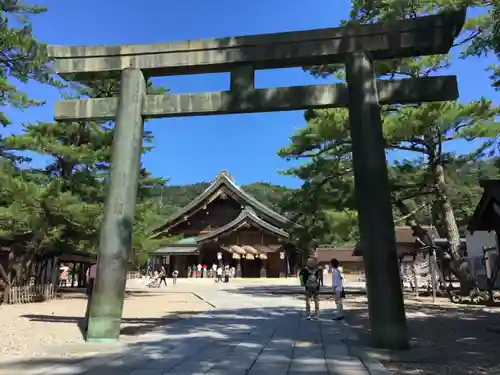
[
  {"x": 198, "y": 270},
  {"x": 219, "y": 274},
  {"x": 325, "y": 274},
  {"x": 214, "y": 270},
  {"x": 91, "y": 273},
  {"x": 338, "y": 287}
]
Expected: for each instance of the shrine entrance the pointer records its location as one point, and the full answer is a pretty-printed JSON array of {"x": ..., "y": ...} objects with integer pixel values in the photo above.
[{"x": 355, "y": 46}]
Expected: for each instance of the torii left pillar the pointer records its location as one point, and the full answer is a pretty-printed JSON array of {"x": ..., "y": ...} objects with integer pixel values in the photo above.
[{"x": 115, "y": 242}]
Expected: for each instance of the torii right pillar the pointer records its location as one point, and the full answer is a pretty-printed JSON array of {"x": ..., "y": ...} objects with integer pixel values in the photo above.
[{"x": 373, "y": 198}]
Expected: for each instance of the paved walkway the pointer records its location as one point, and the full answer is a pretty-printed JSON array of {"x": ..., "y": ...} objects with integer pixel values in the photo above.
[{"x": 247, "y": 333}]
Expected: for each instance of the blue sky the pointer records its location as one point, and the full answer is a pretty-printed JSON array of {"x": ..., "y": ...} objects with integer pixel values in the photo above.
[{"x": 195, "y": 149}]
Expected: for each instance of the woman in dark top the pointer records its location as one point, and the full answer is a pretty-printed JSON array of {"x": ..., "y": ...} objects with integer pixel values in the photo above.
[
  {"x": 310, "y": 277},
  {"x": 162, "y": 276}
]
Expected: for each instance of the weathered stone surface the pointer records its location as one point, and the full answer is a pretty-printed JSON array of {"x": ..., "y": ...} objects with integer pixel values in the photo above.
[
  {"x": 373, "y": 202},
  {"x": 115, "y": 239},
  {"x": 262, "y": 100},
  {"x": 420, "y": 36}
]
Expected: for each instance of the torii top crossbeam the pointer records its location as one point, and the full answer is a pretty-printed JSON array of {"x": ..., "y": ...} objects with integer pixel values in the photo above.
[
  {"x": 243, "y": 55},
  {"x": 428, "y": 35}
]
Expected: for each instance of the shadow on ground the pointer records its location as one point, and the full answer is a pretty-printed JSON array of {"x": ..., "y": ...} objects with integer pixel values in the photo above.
[
  {"x": 446, "y": 338},
  {"x": 79, "y": 293},
  {"x": 218, "y": 342},
  {"x": 288, "y": 290},
  {"x": 133, "y": 326},
  {"x": 449, "y": 339}
]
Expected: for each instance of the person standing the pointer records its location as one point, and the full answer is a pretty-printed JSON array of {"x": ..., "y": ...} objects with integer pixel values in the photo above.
[
  {"x": 175, "y": 274},
  {"x": 310, "y": 277},
  {"x": 198, "y": 270},
  {"x": 204, "y": 271},
  {"x": 214, "y": 270},
  {"x": 219, "y": 274},
  {"x": 63, "y": 279},
  {"x": 325, "y": 274},
  {"x": 321, "y": 280},
  {"x": 91, "y": 274},
  {"x": 338, "y": 289},
  {"x": 162, "y": 276}
]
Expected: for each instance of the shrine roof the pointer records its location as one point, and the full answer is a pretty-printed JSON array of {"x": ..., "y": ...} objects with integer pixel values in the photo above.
[
  {"x": 186, "y": 241},
  {"x": 488, "y": 204},
  {"x": 246, "y": 217},
  {"x": 223, "y": 181},
  {"x": 171, "y": 249},
  {"x": 188, "y": 245}
]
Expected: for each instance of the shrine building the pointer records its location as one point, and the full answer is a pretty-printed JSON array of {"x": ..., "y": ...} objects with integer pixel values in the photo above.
[{"x": 225, "y": 225}]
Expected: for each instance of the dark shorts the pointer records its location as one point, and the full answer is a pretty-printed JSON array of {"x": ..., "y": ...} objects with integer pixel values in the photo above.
[{"x": 311, "y": 292}]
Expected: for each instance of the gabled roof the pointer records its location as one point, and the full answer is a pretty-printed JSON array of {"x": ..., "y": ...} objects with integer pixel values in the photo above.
[
  {"x": 176, "y": 250},
  {"x": 224, "y": 180},
  {"x": 246, "y": 217},
  {"x": 489, "y": 203},
  {"x": 342, "y": 254},
  {"x": 404, "y": 234}
]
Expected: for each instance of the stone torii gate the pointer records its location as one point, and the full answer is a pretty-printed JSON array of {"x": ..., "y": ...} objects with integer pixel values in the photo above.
[{"x": 355, "y": 46}]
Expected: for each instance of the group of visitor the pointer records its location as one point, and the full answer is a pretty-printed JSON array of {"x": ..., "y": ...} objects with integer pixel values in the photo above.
[
  {"x": 159, "y": 277},
  {"x": 219, "y": 272},
  {"x": 311, "y": 277}
]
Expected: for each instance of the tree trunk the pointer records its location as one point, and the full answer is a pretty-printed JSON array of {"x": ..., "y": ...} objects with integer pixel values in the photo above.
[
  {"x": 22, "y": 266},
  {"x": 7, "y": 276},
  {"x": 460, "y": 269}
]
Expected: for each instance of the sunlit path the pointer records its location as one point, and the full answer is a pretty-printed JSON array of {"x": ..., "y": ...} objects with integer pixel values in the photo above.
[{"x": 249, "y": 331}]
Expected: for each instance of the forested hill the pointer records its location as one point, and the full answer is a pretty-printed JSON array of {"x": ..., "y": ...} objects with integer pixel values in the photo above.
[
  {"x": 174, "y": 197},
  {"x": 462, "y": 182}
]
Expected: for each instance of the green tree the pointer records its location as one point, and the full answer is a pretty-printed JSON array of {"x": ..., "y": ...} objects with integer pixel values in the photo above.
[
  {"x": 146, "y": 220},
  {"x": 22, "y": 57},
  {"x": 268, "y": 194},
  {"x": 422, "y": 129},
  {"x": 80, "y": 154},
  {"x": 481, "y": 32}
]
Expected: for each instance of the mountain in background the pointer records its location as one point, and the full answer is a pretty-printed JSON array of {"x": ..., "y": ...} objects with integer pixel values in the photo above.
[
  {"x": 173, "y": 198},
  {"x": 462, "y": 181}
]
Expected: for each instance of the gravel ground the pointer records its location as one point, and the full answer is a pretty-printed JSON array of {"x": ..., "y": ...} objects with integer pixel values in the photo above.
[
  {"x": 52, "y": 327},
  {"x": 446, "y": 338}
]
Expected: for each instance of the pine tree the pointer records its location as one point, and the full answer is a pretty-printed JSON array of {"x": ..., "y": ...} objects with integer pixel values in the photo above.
[
  {"x": 422, "y": 129},
  {"x": 80, "y": 154},
  {"x": 22, "y": 57}
]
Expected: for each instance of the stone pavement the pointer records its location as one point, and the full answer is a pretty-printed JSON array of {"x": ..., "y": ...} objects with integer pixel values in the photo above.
[{"x": 245, "y": 334}]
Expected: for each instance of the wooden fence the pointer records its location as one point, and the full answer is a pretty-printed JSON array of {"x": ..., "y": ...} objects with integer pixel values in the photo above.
[{"x": 31, "y": 293}]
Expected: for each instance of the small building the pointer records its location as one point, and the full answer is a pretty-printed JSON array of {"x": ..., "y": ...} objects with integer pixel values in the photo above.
[
  {"x": 225, "y": 225},
  {"x": 486, "y": 216},
  {"x": 351, "y": 259},
  {"x": 482, "y": 238}
]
